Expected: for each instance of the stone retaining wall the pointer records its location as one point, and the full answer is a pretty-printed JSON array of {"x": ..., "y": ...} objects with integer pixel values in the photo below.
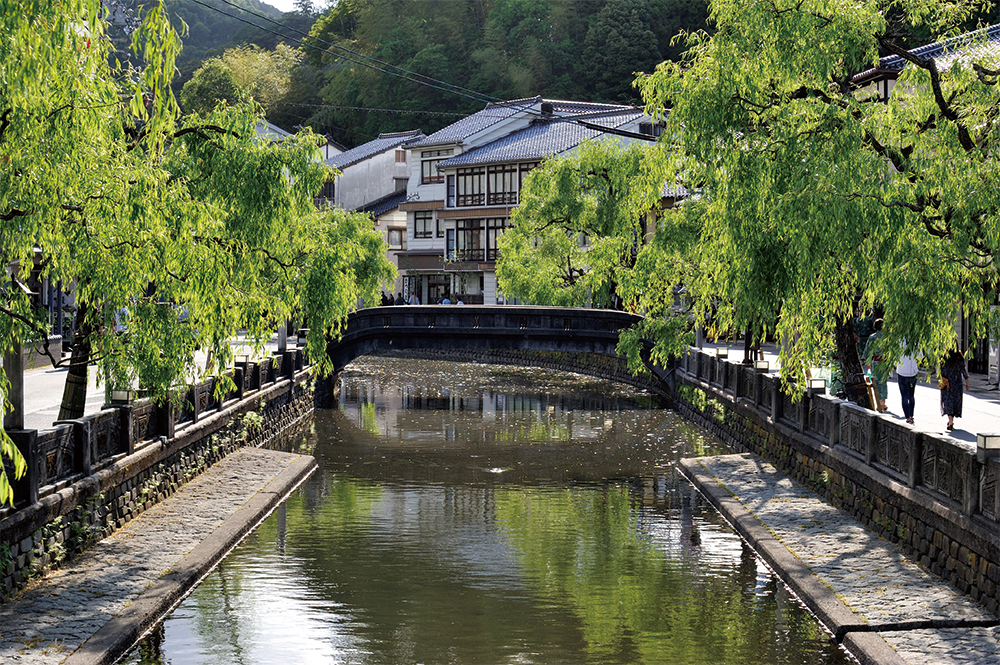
[
  {"x": 925, "y": 493},
  {"x": 87, "y": 508}
]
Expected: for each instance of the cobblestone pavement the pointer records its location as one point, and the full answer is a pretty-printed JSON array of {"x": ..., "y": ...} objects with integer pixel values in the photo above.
[
  {"x": 57, "y": 613},
  {"x": 870, "y": 575}
]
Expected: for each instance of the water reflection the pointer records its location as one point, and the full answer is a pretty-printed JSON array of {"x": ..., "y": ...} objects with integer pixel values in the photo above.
[{"x": 536, "y": 519}]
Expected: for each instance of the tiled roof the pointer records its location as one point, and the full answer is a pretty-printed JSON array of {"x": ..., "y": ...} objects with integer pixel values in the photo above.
[
  {"x": 456, "y": 132},
  {"x": 542, "y": 139},
  {"x": 367, "y": 150},
  {"x": 674, "y": 191},
  {"x": 384, "y": 204},
  {"x": 494, "y": 113},
  {"x": 271, "y": 132},
  {"x": 945, "y": 52}
]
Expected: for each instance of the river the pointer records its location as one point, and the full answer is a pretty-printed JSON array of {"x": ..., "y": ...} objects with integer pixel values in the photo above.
[{"x": 475, "y": 514}]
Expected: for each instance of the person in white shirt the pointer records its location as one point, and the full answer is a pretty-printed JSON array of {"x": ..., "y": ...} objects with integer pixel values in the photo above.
[{"x": 907, "y": 371}]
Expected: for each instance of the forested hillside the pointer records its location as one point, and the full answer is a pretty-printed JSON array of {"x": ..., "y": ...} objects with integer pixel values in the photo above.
[
  {"x": 209, "y": 28},
  {"x": 357, "y": 76}
]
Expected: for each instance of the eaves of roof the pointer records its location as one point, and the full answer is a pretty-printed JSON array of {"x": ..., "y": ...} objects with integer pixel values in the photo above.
[
  {"x": 947, "y": 49},
  {"x": 368, "y": 150},
  {"x": 542, "y": 139},
  {"x": 383, "y": 205}
]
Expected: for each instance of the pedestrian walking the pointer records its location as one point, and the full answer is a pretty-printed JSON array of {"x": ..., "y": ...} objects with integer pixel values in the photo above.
[
  {"x": 399, "y": 299},
  {"x": 950, "y": 379},
  {"x": 414, "y": 300},
  {"x": 906, "y": 375}
]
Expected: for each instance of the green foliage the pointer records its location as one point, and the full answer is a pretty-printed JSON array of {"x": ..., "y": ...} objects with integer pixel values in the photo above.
[
  {"x": 817, "y": 201},
  {"x": 503, "y": 49},
  {"x": 590, "y": 230},
  {"x": 207, "y": 29},
  {"x": 178, "y": 232},
  {"x": 242, "y": 73},
  {"x": 212, "y": 83}
]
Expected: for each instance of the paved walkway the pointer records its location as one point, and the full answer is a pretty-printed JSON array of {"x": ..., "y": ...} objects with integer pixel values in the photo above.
[
  {"x": 55, "y": 615},
  {"x": 921, "y": 617},
  {"x": 981, "y": 405}
]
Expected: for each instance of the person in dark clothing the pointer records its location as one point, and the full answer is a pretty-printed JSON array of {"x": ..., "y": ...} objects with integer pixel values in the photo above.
[
  {"x": 386, "y": 300},
  {"x": 953, "y": 374},
  {"x": 399, "y": 299}
]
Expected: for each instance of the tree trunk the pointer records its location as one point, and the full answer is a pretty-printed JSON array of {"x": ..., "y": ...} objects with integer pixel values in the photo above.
[
  {"x": 75, "y": 392},
  {"x": 851, "y": 371}
]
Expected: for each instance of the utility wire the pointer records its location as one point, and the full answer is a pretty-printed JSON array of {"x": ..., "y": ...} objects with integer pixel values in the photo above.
[
  {"x": 457, "y": 90},
  {"x": 477, "y": 97},
  {"x": 481, "y": 96}
]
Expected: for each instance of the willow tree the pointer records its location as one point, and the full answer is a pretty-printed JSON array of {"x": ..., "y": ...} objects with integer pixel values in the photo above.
[
  {"x": 816, "y": 199},
  {"x": 591, "y": 229},
  {"x": 177, "y": 232}
]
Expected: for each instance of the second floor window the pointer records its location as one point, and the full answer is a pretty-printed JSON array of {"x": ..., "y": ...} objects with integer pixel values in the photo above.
[
  {"x": 423, "y": 224},
  {"x": 471, "y": 186},
  {"x": 394, "y": 237},
  {"x": 429, "y": 159},
  {"x": 503, "y": 182}
]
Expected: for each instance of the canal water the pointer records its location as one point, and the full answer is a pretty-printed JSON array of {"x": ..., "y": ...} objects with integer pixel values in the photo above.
[{"x": 476, "y": 514}]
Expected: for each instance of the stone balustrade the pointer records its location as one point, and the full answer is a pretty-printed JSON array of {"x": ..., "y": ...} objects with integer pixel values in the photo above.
[{"x": 929, "y": 493}]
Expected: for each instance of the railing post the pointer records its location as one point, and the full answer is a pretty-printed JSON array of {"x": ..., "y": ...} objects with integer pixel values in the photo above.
[
  {"x": 835, "y": 425},
  {"x": 916, "y": 460},
  {"x": 872, "y": 427},
  {"x": 81, "y": 439},
  {"x": 25, "y": 441},
  {"x": 238, "y": 379},
  {"x": 126, "y": 433},
  {"x": 775, "y": 400},
  {"x": 972, "y": 472}
]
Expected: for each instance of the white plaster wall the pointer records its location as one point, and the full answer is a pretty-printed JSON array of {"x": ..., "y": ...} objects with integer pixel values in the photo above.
[{"x": 369, "y": 180}]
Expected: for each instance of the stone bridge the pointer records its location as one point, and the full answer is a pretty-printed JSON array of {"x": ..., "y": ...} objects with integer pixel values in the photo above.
[{"x": 486, "y": 327}]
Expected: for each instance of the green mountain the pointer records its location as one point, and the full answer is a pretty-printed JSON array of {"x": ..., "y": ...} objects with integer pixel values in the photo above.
[{"x": 211, "y": 29}]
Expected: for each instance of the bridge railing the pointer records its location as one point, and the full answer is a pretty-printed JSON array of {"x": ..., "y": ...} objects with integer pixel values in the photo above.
[
  {"x": 68, "y": 451},
  {"x": 940, "y": 466}
]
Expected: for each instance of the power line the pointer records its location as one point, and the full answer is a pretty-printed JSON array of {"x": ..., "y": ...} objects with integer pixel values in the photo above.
[
  {"x": 479, "y": 95},
  {"x": 372, "y": 108},
  {"x": 457, "y": 90},
  {"x": 476, "y": 97}
]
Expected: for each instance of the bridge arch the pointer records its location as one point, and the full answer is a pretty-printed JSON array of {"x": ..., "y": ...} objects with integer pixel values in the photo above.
[{"x": 486, "y": 328}]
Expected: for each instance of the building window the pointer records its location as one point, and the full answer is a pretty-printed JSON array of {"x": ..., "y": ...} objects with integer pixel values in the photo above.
[
  {"x": 494, "y": 229},
  {"x": 329, "y": 187},
  {"x": 423, "y": 224},
  {"x": 471, "y": 186},
  {"x": 469, "y": 245},
  {"x": 650, "y": 129},
  {"x": 429, "y": 159},
  {"x": 394, "y": 237},
  {"x": 400, "y": 156},
  {"x": 503, "y": 184},
  {"x": 451, "y": 191},
  {"x": 440, "y": 228}
]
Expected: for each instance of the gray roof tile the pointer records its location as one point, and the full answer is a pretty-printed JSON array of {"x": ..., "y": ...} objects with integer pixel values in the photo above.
[
  {"x": 945, "y": 52},
  {"x": 368, "y": 150},
  {"x": 384, "y": 204},
  {"x": 541, "y": 139},
  {"x": 497, "y": 112}
]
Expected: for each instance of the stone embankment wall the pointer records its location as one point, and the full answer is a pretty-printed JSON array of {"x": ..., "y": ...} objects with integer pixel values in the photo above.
[
  {"x": 927, "y": 494},
  {"x": 89, "y": 477},
  {"x": 590, "y": 364}
]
